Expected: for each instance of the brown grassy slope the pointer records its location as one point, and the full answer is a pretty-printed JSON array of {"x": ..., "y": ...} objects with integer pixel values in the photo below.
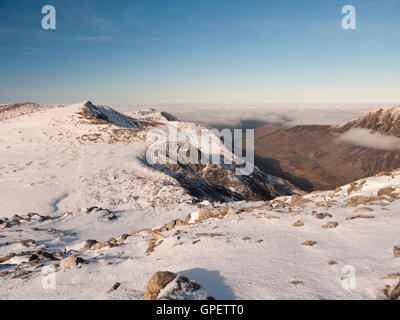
[{"x": 312, "y": 158}]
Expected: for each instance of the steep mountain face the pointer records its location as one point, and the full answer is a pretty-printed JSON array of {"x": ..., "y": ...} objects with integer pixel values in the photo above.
[
  {"x": 67, "y": 157},
  {"x": 383, "y": 121},
  {"x": 314, "y": 157}
]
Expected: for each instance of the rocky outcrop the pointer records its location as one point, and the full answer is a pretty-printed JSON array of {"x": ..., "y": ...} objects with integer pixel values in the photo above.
[
  {"x": 107, "y": 115},
  {"x": 207, "y": 180}
]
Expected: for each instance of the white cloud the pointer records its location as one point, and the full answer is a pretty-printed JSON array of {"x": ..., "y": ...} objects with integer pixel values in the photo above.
[{"x": 368, "y": 139}]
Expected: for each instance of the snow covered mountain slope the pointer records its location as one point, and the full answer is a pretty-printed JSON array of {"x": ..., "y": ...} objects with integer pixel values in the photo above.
[
  {"x": 384, "y": 121},
  {"x": 9, "y": 111},
  {"x": 82, "y": 155},
  {"x": 325, "y": 245},
  {"x": 82, "y": 210}
]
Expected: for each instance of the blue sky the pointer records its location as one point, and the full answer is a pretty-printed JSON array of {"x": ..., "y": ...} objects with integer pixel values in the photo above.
[{"x": 200, "y": 52}]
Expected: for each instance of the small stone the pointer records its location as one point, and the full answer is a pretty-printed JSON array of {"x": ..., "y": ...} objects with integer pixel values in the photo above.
[
  {"x": 204, "y": 214},
  {"x": 212, "y": 235},
  {"x": 34, "y": 258},
  {"x": 332, "y": 262},
  {"x": 132, "y": 232},
  {"x": 364, "y": 209},
  {"x": 122, "y": 238},
  {"x": 296, "y": 282},
  {"x": 98, "y": 245},
  {"x": 298, "y": 201},
  {"x": 7, "y": 257},
  {"x": 151, "y": 246},
  {"x": 46, "y": 256},
  {"x": 157, "y": 236},
  {"x": 360, "y": 217},
  {"x": 396, "y": 251},
  {"x": 4, "y": 225},
  {"x": 28, "y": 242},
  {"x": 231, "y": 211},
  {"x": 309, "y": 243},
  {"x": 386, "y": 291},
  {"x": 330, "y": 225},
  {"x": 114, "y": 287},
  {"x": 395, "y": 293},
  {"x": 391, "y": 276},
  {"x": 323, "y": 215},
  {"x": 22, "y": 275},
  {"x": 111, "y": 217},
  {"x": 386, "y": 191},
  {"x": 298, "y": 224}
]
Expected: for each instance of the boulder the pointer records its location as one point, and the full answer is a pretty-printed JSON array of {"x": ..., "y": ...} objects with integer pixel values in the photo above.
[
  {"x": 158, "y": 282},
  {"x": 171, "y": 286}
]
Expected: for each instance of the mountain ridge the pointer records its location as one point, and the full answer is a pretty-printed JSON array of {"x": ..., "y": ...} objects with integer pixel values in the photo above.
[{"x": 66, "y": 156}]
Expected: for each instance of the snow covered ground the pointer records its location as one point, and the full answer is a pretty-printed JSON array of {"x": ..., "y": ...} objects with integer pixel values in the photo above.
[
  {"x": 291, "y": 247},
  {"x": 54, "y": 161}
]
